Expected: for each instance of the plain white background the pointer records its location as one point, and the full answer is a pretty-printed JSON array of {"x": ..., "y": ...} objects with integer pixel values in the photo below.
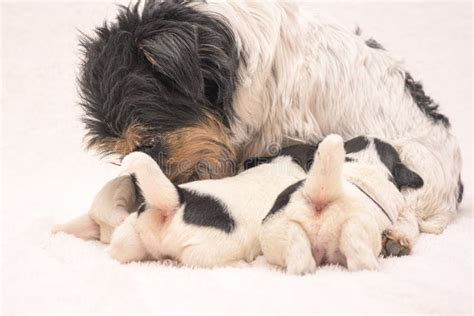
[{"x": 47, "y": 177}]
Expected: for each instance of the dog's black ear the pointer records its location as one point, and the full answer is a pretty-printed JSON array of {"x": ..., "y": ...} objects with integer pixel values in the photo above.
[
  {"x": 405, "y": 177},
  {"x": 172, "y": 50}
]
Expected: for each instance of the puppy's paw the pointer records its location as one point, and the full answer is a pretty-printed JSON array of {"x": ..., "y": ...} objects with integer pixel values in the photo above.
[
  {"x": 300, "y": 265},
  {"x": 395, "y": 244},
  {"x": 367, "y": 262},
  {"x": 126, "y": 245}
]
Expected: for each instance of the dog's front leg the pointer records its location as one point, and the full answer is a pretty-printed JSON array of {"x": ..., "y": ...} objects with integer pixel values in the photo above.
[{"x": 360, "y": 243}]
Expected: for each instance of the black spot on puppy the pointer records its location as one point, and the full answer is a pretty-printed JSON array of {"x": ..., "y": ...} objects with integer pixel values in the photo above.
[
  {"x": 356, "y": 144},
  {"x": 283, "y": 199},
  {"x": 205, "y": 210},
  {"x": 256, "y": 161},
  {"x": 138, "y": 193},
  {"x": 402, "y": 175},
  {"x": 302, "y": 155}
]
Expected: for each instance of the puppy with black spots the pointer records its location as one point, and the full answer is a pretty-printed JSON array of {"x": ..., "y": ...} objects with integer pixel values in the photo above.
[
  {"x": 204, "y": 223},
  {"x": 337, "y": 215}
]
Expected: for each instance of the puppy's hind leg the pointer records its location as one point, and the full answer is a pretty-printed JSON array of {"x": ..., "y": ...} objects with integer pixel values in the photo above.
[
  {"x": 286, "y": 244},
  {"x": 126, "y": 245},
  {"x": 299, "y": 258},
  {"x": 83, "y": 227},
  {"x": 360, "y": 243}
]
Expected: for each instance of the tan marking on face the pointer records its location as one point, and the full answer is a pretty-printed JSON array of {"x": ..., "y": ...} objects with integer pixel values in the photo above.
[
  {"x": 132, "y": 138},
  {"x": 203, "y": 151}
]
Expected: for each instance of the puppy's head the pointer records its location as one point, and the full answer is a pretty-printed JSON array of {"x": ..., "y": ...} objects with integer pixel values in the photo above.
[
  {"x": 375, "y": 151},
  {"x": 161, "y": 81}
]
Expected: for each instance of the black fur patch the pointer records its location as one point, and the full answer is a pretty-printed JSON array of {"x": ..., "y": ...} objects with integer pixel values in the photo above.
[
  {"x": 283, "y": 199},
  {"x": 460, "y": 191},
  {"x": 302, "y": 155},
  {"x": 402, "y": 176},
  {"x": 166, "y": 68},
  {"x": 370, "y": 42},
  {"x": 374, "y": 44},
  {"x": 356, "y": 144},
  {"x": 256, "y": 161},
  {"x": 138, "y": 194},
  {"x": 205, "y": 210},
  {"x": 424, "y": 102}
]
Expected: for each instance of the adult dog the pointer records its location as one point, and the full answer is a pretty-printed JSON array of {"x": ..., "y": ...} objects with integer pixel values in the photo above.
[{"x": 198, "y": 85}]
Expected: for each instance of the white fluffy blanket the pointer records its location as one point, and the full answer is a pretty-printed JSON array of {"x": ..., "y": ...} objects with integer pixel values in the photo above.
[{"x": 48, "y": 178}]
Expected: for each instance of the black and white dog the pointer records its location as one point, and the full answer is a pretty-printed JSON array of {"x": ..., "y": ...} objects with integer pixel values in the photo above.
[
  {"x": 197, "y": 85},
  {"x": 218, "y": 222}
]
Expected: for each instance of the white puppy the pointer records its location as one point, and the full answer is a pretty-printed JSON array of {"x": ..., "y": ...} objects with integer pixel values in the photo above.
[{"x": 338, "y": 214}]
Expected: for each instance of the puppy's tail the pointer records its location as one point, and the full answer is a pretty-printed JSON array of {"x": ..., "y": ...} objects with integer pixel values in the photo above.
[
  {"x": 157, "y": 190},
  {"x": 324, "y": 182}
]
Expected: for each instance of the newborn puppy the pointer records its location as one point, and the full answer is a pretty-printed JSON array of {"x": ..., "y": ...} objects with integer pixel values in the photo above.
[
  {"x": 338, "y": 214},
  {"x": 203, "y": 223}
]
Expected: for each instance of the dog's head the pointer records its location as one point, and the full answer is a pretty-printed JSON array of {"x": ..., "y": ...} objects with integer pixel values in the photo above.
[{"x": 161, "y": 81}]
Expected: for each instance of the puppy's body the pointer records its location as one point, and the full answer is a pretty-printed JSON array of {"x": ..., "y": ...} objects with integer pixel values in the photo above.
[
  {"x": 338, "y": 214},
  {"x": 203, "y": 223}
]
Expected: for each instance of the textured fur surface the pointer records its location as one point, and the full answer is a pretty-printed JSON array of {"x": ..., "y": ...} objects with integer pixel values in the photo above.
[{"x": 272, "y": 76}]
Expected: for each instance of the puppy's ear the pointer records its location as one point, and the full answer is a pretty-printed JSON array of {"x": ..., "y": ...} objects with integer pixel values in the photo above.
[
  {"x": 172, "y": 50},
  {"x": 405, "y": 177}
]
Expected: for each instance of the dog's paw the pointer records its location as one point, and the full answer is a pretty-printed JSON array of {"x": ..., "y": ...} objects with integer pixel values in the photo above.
[
  {"x": 394, "y": 244},
  {"x": 301, "y": 265}
]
